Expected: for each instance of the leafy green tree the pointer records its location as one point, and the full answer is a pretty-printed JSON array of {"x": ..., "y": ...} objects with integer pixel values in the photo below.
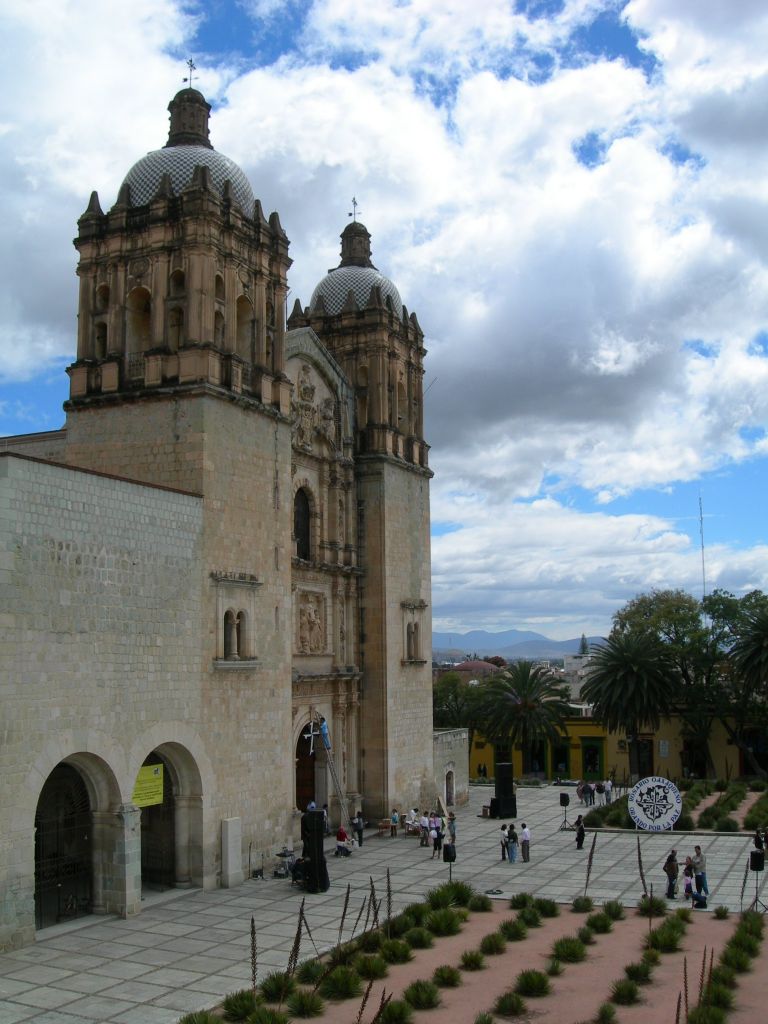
[
  {"x": 525, "y": 705},
  {"x": 456, "y": 704},
  {"x": 630, "y": 686},
  {"x": 745, "y": 687}
]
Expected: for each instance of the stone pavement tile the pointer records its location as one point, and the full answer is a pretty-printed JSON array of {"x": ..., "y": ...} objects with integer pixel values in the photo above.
[
  {"x": 11, "y": 986},
  {"x": 45, "y": 998},
  {"x": 220, "y": 985},
  {"x": 146, "y": 1015},
  {"x": 76, "y": 962},
  {"x": 186, "y": 945},
  {"x": 187, "y": 1001},
  {"x": 171, "y": 977},
  {"x": 86, "y": 984},
  {"x": 152, "y": 958},
  {"x": 33, "y": 954},
  {"x": 59, "y": 1017},
  {"x": 120, "y": 969},
  {"x": 113, "y": 950},
  {"x": 232, "y": 952},
  {"x": 171, "y": 928},
  {"x": 98, "y": 1008},
  {"x": 11, "y": 1013},
  {"x": 40, "y": 974},
  {"x": 202, "y": 964},
  {"x": 138, "y": 991}
]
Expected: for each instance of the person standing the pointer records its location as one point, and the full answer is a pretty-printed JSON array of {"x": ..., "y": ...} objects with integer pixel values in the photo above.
[
  {"x": 514, "y": 842},
  {"x": 359, "y": 824},
  {"x": 504, "y": 841},
  {"x": 424, "y": 829},
  {"x": 525, "y": 843},
  {"x": 394, "y": 821},
  {"x": 700, "y": 871},
  {"x": 580, "y": 832},
  {"x": 671, "y": 870},
  {"x": 608, "y": 789},
  {"x": 452, "y": 827}
]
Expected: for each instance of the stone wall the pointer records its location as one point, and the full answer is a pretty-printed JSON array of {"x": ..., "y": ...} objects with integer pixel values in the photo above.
[{"x": 451, "y": 753}]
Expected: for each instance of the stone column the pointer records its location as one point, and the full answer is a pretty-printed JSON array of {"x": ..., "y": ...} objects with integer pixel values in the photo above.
[
  {"x": 121, "y": 890},
  {"x": 183, "y": 807}
]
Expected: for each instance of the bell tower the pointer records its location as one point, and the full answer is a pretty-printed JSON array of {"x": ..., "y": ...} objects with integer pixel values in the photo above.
[{"x": 183, "y": 280}]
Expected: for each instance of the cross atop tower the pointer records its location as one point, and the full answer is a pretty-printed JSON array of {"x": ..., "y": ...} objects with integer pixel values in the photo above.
[
  {"x": 353, "y": 214},
  {"x": 192, "y": 67}
]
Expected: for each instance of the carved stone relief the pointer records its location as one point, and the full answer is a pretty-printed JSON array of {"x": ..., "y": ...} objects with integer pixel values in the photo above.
[{"x": 311, "y": 638}]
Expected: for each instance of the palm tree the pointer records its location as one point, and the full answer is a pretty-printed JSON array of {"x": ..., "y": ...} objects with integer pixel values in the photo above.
[
  {"x": 526, "y": 706},
  {"x": 630, "y": 686},
  {"x": 749, "y": 659}
]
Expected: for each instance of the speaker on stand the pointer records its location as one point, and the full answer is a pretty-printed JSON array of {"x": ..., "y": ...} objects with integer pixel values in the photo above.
[
  {"x": 757, "y": 864},
  {"x": 565, "y": 800}
]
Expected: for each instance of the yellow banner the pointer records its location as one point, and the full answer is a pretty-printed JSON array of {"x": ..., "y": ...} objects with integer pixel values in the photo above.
[{"x": 149, "y": 786}]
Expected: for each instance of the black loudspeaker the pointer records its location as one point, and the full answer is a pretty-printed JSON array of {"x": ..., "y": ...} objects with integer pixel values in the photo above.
[
  {"x": 756, "y": 860},
  {"x": 564, "y": 799},
  {"x": 449, "y": 853},
  {"x": 504, "y": 780}
]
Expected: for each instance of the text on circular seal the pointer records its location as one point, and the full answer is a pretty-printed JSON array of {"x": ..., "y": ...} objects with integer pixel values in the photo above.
[{"x": 654, "y": 803}]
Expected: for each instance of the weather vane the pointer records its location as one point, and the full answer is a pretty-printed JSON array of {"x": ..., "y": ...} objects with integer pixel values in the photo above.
[
  {"x": 191, "y": 65},
  {"x": 353, "y": 214}
]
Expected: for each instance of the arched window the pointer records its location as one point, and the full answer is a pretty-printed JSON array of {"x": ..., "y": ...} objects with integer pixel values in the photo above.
[
  {"x": 301, "y": 531},
  {"x": 231, "y": 635},
  {"x": 102, "y": 298},
  {"x": 138, "y": 321},
  {"x": 402, "y": 407},
  {"x": 177, "y": 283},
  {"x": 100, "y": 341},
  {"x": 219, "y": 288},
  {"x": 244, "y": 313},
  {"x": 218, "y": 328},
  {"x": 175, "y": 329}
]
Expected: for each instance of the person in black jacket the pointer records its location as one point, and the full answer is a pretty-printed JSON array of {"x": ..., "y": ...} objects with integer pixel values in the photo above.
[{"x": 580, "y": 832}]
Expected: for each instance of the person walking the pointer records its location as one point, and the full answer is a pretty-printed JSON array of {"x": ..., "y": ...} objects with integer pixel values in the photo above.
[
  {"x": 671, "y": 870},
  {"x": 700, "y": 871},
  {"x": 525, "y": 843},
  {"x": 580, "y": 832},
  {"x": 514, "y": 842},
  {"x": 424, "y": 829},
  {"x": 359, "y": 824},
  {"x": 504, "y": 841}
]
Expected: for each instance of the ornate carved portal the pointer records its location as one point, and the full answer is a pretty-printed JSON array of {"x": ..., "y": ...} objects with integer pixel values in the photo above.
[{"x": 310, "y": 419}]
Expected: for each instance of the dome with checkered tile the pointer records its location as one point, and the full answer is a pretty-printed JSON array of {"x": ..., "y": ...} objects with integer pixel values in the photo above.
[
  {"x": 355, "y": 274},
  {"x": 187, "y": 147}
]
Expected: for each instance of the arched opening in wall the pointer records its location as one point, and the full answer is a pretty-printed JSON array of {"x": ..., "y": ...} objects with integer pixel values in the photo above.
[
  {"x": 235, "y": 635},
  {"x": 219, "y": 288},
  {"x": 301, "y": 525},
  {"x": 177, "y": 283},
  {"x": 311, "y": 769},
  {"x": 402, "y": 408},
  {"x": 138, "y": 321},
  {"x": 361, "y": 393},
  {"x": 450, "y": 795},
  {"x": 169, "y": 793},
  {"x": 102, "y": 298},
  {"x": 175, "y": 328},
  {"x": 100, "y": 340},
  {"x": 63, "y": 848},
  {"x": 158, "y": 833},
  {"x": 244, "y": 328},
  {"x": 218, "y": 328}
]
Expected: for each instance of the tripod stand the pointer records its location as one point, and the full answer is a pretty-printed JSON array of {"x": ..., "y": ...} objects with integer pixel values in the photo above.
[
  {"x": 566, "y": 825},
  {"x": 757, "y": 904}
]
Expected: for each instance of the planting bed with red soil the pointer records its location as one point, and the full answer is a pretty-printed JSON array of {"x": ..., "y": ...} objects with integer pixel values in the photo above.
[{"x": 576, "y": 993}]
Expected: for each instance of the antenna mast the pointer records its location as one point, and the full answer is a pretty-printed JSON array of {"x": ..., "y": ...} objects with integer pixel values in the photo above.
[{"x": 701, "y": 534}]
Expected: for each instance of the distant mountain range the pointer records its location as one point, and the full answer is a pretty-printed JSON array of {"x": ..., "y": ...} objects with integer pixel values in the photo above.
[{"x": 512, "y": 644}]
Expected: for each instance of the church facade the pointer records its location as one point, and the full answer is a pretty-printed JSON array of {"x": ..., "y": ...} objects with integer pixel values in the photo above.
[{"x": 227, "y": 543}]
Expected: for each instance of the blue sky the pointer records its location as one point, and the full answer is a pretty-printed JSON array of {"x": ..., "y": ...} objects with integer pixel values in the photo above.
[{"x": 569, "y": 193}]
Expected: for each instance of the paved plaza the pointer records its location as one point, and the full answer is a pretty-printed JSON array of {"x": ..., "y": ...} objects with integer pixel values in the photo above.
[{"x": 189, "y": 948}]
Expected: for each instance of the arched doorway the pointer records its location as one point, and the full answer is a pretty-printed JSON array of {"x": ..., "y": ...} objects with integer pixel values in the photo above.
[
  {"x": 311, "y": 765},
  {"x": 450, "y": 796},
  {"x": 158, "y": 838},
  {"x": 63, "y": 848}
]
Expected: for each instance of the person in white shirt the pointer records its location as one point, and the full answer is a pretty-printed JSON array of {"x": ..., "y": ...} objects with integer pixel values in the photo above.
[
  {"x": 608, "y": 790},
  {"x": 525, "y": 843}
]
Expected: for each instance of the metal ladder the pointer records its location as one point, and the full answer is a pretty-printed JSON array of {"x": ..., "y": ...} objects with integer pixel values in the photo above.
[{"x": 342, "y": 796}]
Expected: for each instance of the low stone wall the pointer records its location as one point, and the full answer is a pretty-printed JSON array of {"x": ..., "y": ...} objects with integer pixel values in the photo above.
[{"x": 451, "y": 759}]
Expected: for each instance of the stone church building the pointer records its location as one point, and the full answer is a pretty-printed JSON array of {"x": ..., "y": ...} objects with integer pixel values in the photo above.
[{"x": 227, "y": 542}]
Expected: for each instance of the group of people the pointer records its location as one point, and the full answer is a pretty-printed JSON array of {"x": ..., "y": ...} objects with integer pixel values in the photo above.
[
  {"x": 513, "y": 842},
  {"x": 434, "y": 829},
  {"x": 694, "y": 872},
  {"x": 344, "y": 842},
  {"x": 590, "y": 793}
]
